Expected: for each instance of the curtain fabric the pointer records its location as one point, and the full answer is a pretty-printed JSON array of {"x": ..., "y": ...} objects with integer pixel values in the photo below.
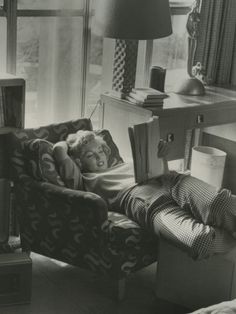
[
  {"x": 216, "y": 44},
  {"x": 50, "y": 58},
  {"x": 59, "y": 70}
]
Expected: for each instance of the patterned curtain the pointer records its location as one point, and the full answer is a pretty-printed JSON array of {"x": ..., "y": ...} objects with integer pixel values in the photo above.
[{"x": 216, "y": 43}]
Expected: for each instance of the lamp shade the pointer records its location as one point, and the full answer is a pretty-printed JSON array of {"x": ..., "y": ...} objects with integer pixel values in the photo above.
[{"x": 133, "y": 19}]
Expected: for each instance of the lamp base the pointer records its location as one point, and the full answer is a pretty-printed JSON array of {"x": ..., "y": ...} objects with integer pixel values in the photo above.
[
  {"x": 124, "y": 69},
  {"x": 190, "y": 86}
]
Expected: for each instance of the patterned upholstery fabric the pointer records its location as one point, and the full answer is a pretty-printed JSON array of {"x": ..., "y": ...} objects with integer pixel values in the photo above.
[
  {"x": 40, "y": 162},
  {"x": 69, "y": 225},
  {"x": 52, "y": 133}
]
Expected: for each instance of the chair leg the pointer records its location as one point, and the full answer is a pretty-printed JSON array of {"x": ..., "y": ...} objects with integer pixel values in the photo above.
[
  {"x": 121, "y": 289},
  {"x": 27, "y": 251}
]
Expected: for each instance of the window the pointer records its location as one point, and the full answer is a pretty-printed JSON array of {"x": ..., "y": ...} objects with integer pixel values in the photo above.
[
  {"x": 50, "y": 4},
  {"x": 3, "y": 39},
  {"x": 65, "y": 65},
  {"x": 171, "y": 52},
  {"x": 49, "y": 54}
]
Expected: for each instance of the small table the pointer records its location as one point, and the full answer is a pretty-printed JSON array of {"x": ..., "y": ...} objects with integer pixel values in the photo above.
[{"x": 15, "y": 278}]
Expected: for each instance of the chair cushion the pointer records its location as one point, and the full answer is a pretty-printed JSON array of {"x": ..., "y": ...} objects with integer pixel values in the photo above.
[
  {"x": 127, "y": 247},
  {"x": 124, "y": 233},
  {"x": 40, "y": 162}
]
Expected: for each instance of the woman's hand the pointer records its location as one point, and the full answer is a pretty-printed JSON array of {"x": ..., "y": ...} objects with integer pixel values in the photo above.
[{"x": 163, "y": 149}]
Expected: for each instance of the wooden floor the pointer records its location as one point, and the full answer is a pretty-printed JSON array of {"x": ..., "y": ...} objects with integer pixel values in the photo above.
[{"x": 59, "y": 288}]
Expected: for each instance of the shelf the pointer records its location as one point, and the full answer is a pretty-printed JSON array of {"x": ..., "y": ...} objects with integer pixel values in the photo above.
[{"x": 12, "y": 102}]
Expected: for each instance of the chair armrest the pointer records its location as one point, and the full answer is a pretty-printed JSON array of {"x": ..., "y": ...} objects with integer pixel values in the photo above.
[
  {"x": 87, "y": 203},
  {"x": 59, "y": 222},
  {"x": 63, "y": 200}
]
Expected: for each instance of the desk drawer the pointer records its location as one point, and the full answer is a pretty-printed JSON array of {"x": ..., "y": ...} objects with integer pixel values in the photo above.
[
  {"x": 172, "y": 131},
  {"x": 203, "y": 118}
]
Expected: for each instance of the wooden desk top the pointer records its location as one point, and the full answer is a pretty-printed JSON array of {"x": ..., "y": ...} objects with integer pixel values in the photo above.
[{"x": 214, "y": 98}]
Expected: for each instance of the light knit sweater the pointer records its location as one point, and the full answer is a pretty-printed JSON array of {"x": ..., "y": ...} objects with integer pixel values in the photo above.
[{"x": 109, "y": 184}]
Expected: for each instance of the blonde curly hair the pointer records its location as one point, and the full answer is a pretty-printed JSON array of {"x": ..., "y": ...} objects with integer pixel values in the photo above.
[{"x": 77, "y": 143}]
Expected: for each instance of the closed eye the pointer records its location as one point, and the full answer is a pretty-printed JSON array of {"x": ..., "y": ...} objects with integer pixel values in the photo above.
[{"x": 89, "y": 155}]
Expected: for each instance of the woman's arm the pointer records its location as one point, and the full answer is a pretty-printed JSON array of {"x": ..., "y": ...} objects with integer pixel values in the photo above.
[
  {"x": 68, "y": 170},
  {"x": 163, "y": 150}
]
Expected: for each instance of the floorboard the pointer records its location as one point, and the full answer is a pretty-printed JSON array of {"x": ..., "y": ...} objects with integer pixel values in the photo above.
[{"x": 58, "y": 288}]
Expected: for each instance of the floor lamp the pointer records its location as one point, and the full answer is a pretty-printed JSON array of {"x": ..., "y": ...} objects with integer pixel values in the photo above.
[{"x": 129, "y": 21}]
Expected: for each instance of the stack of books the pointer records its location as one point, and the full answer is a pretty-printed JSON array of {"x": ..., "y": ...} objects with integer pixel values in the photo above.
[{"x": 146, "y": 97}]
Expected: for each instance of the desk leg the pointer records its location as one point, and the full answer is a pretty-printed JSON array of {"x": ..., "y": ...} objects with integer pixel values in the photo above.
[
  {"x": 197, "y": 137},
  {"x": 193, "y": 137}
]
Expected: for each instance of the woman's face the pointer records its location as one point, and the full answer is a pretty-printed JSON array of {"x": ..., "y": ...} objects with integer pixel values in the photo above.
[{"x": 93, "y": 157}]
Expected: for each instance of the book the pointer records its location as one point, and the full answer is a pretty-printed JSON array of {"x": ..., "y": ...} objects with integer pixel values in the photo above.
[
  {"x": 12, "y": 105},
  {"x": 144, "y": 140},
  {"x": 158, "y": 103},
  {"x": 1, "y": 109},
  {"x": 140, "y": 98},
  {"x": 5, "y": 208},
  {"x": 148, "y": 92},
  {"x": 153, "y": 105}
]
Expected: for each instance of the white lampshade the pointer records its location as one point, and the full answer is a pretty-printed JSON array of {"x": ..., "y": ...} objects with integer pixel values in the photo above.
[{"x": 133, "y": 19}]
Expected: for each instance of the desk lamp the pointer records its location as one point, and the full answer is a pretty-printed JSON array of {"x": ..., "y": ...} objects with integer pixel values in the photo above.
[{"x": 129, "y": 21}]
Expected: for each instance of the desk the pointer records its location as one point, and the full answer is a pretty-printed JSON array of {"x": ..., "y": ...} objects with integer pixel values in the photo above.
[{"x": 178, "y": 115}]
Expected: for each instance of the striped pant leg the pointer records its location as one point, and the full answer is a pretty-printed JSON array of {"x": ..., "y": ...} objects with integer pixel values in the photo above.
[
  {"x": 197, "y": 239},
  {"x": 182, "y": 230},
  {"x": 206, "y": 203}
]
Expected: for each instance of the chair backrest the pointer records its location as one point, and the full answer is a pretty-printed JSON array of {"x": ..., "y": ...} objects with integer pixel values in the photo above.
[{"x": 51, "y": 133}]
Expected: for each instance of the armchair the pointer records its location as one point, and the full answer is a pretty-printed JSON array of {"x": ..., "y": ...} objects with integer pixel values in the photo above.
[{"x": 72, "y": 226}]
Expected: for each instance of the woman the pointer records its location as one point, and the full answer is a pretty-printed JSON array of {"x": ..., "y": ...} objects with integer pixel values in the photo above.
[{"x": 183, "y": 209}]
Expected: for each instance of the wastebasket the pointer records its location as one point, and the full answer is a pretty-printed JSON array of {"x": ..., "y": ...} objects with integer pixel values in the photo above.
[{"x": 208, "y": 164}]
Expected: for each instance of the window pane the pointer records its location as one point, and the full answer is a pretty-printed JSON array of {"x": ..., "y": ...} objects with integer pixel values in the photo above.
[
  {"x": 171, "y": 52},
  {"x": 94, "y": 76},
  {"x": 50, "y": 4},
  {"x": 49, "y": 56},
  {"x": 181, "y": 2},
  {"x": 3, "y": 41}
]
